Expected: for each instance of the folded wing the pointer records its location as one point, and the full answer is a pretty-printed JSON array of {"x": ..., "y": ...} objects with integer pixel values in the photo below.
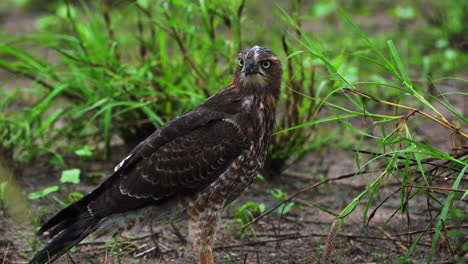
[{"x": 182, "y": 166}]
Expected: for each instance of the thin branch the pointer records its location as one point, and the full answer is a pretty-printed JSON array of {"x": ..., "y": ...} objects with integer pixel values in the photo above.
[
  {"x": 396, "y": 241},
  {"x": 179, "y": 235},
  {"x": 429, "y": 231},
  {"x": 297, "y": 236},
  {"x": 436, "y": 188},
  {"x": 5, "y": 257},
  {"x": 303, "y": 190}
]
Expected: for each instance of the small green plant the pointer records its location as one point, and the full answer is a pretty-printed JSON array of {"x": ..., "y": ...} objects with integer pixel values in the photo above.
[
  {"x": 380, "y": 255},
  {"x": 280, "y": 195},
  {"x": 248, "y": 211},
  {"x": 244, "y": 214},
  {"x": 43, "y": 193},
  {"x": 117, "y": 249},
  {"x": 33, "y": 243},
  {"x": 231, "y": 257},
  {"x": 85, "y": 151},
  {"x": 68, "y": 176},
  {"x": 300, "y": 78}
]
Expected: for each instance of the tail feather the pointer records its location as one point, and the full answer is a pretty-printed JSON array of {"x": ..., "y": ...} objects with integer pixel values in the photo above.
[
  {"x": 67, "y": 215},
  {"x": 68, "y": 237},
  {"x": 73, "y": 212}
]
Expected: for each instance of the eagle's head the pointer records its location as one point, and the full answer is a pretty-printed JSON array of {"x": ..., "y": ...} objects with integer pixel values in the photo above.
[{"x": 258, "y": 69}]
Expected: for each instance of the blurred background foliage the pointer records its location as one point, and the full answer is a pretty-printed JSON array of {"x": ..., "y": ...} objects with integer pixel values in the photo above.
[{"x": 114, "y": 71}]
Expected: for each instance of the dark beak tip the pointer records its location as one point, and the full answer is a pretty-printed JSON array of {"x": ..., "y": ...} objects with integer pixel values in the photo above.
[{"x": 249, "y": 67}]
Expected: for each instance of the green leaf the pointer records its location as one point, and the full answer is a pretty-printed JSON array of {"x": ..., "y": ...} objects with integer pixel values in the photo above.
[
  {"x": 47, "y": 21},
  {"x": 327, "y": 119},
  {"x": 43, "y": 193},
  {"x": 261, "y": 207},
  {"x": 404, "y": 12},
  {"x": 321, "y": 208},
  {"x": 248, "y": 211},
  {"x": 285, "y": 208},
  {"x": 278, "y": 194},
  {"x": 75, "y": 196},
  {"x": 143, "y": 3},
  {"x": 72, "y": 176},
  {"x": 84, "y": 152},
  {"x": 294, "y": 54},
  {"x": 57, "y": 159},
  {"x": 464, "y": 195},
  {"x": 323, "y": 8},
  {"x": 260, "y": 177}
]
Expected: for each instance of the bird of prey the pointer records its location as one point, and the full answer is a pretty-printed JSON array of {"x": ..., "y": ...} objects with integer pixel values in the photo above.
[{"x": 192, "y": 166}]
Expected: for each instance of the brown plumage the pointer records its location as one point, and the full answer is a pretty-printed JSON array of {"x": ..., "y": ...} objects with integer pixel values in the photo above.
[{"x": 194, "y": 165}]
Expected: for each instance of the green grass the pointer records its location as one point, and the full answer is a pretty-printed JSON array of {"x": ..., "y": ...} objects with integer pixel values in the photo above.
[
  {"x": 394, "y": 143},
  {"x": 94, "y": 85}
]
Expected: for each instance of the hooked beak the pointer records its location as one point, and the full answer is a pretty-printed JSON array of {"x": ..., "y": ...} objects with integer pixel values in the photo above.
[{"x": 250, "y": 68}]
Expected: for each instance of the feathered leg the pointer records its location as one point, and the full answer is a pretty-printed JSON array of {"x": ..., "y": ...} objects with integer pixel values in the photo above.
[
  {"x": 206, "y": 257},
  {"x": 204, "y": 218}
]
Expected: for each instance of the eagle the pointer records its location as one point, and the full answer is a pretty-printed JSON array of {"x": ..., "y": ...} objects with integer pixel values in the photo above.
[{"x": 192, "y": 167}]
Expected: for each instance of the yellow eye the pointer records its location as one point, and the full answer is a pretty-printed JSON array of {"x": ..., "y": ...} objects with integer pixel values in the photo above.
[
  {"x": 241, "y": 62},
  {"x": 266, "y": 64}
]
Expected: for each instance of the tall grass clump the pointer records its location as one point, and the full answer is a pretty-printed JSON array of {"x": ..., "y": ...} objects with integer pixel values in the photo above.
[
  {"x": 289, "y": 147},
  {"x": 398, "y": 153},
  {"x": 113, "y": 71}
]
